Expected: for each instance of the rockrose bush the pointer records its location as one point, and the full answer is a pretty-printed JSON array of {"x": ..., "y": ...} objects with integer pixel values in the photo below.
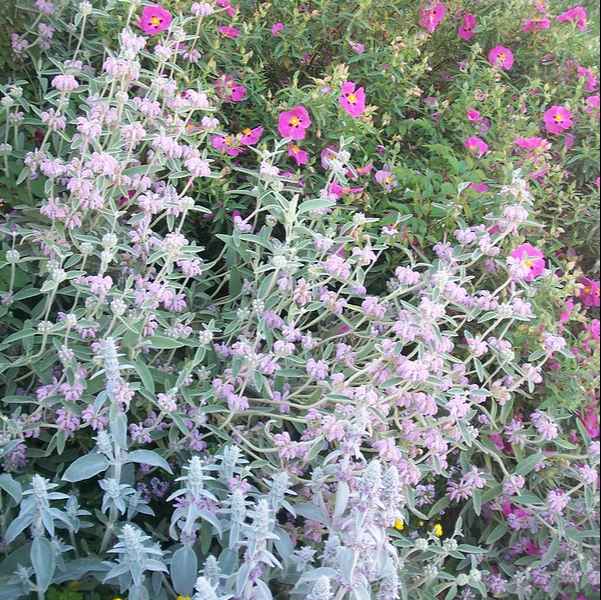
[{"x": 275, "y": 324}]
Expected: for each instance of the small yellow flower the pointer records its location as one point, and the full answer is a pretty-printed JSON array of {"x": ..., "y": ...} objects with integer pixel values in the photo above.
[
  {"x": 399, "y": 525},
  {"x": 437, "y": 530},
  {"x": 180, "y": 597}
]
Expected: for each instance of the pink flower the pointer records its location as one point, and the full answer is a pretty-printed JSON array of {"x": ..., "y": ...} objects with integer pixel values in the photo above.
[
  {"x": 592, "y": 105},
  {"x": 480, "y": 188},
  {"x": 576, "y": 15},
  {"x": 589, "y": 76},
  {"x": 476, "y": 146},
  {"x": 352, "y": 99},
  {"x": 501, "y": 57},
  {"x": 229, "y": 32},
  {"x": 568, "y": 309},
  {"x": 227, "y": 144},
  {"x": 250, "y": 137},
  {"x": 590, "y": 419},
  {"x": 432, "y": 15},
  {"x": 538, "y": 24},
  {"x": 298, "y": 154},
  {"x": 294, "y": 123},
  {"x": 473, "y": 115},
  {"x": 154, "y": 19},
  {"x": 357, "y": 47},
  {"x": 531, "y": 261},
  {"x": 65, "y": 83},
  {"x": 467, "y": 29},
  {"x": 228, "y": 89},
  {"x": 386, "y": 179},
  {"x": 590, "y": 294},
  {"x": 227, "y": 5},
  {"x": 277, "y": 28},
  {"x": 558, "y": 119}
]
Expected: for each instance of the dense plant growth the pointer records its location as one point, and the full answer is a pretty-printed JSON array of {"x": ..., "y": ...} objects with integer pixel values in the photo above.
[{"x": 299, "y": 300}]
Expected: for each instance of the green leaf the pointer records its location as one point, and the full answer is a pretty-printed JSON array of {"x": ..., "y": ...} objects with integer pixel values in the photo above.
[
  {"x": 160, "y": 342},
  {"x": 145, "y": 376},
  {"x": 497, "y": 533},
  {"x": 527, "y": 464}
]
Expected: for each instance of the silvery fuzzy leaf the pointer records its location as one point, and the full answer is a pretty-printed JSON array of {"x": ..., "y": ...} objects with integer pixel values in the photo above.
[
  {"x": 43, "y": 560},
  {"x": 261, "y": 591},
  {"x": 312, "y": 512},
  {"x": 18, "y": 526},
  {"x": 118, "y": 570},
  {"x": 342, "y": 497},
  {"x": 86, "y": 467},
  {"x": 149, "y": 457},
  {"x": 184, "y": 570},
  {"x": 242, "y": 578},
  {"x": 11, "y": 487}
]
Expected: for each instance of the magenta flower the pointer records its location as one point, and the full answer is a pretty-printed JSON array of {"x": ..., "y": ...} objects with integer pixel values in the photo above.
[
  {"x": 473, "y": 115},
  {"x": 479, "y": 188},
  {"x": 576, "y": 15},
  {"x": 227, "y": 144},
  {"x": 277, "y": 28},
  {"x": 590, "y": 77},
  {"x": 532, "y": 144},
  {"x": 590, "y": 294},
  {"x": 432, "y": 15},
  {"x": 294, "y": 123},
  {"x": 533, "y": 25},
  {"x": 501, "y": 57},
  {"x": 530, "y": 259},
  {"x": 154, "y": 19},
  {"x": 300, "y": 156},
  {"x": 476, "y": 146},
  {"x": 229, "y": 89},
  {"x": 352, "y": 99},
  {"x": 592, "y": 105},
  {"x": 386, "y": 179},
  {"x": 229, "y": 32},
  {"x": 357, "y": 47},
  {"x": 227, "y": 5},
  {"x": 558, "y": 119},
  {"x": 467, "y": 29},
  {"x": 250, "y": 137},
  {"x": 590, "y": 419}
]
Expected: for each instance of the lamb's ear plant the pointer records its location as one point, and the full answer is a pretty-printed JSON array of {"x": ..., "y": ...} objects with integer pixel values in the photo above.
[{"x": 225, "y": 377}]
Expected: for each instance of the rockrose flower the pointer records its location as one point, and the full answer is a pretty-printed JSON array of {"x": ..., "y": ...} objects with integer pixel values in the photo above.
[
  {"x": 300, "y": 156},
  {"x": 576, "y": 15},
  {"x": 528, "y": 262},
  {"x": 476, "y": 146},
  {"x": 432, "y": 15},
  {"x": 592, "y": 105},
  {"x": 386, "y": 179},
  {"x": 154, "y": 20},
  {"x": 277, "y": 28},
  {"x": 558, "y": 119},
  {"x": 590, "y": 294},
  {"x": 467, "y": 29},
  {"x": 352, "y": 99},
  {"x": 229, "y": 32},
  {"x": 539, "y": 24},
  {"x": 501, "y": 57},
  {"x": 229, "y": 89},
  {"x": 473, "y": 115},
  {"x": 294, "y": 123}
]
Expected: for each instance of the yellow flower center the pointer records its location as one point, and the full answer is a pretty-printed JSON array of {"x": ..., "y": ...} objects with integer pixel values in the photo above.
[
  {"x": 155, "y": 21},
  {"x": 437, "y": 530},
  {"x": 558, "y": 118},
  {"x": 247, "y": 131},
  {"x": 229, "y": 140},
  {"x": 399, "y": 525},
  {"x": 352, "y": 98},
  {"x": 295, "y": 121},
  {"x": 528, "y": 262},
  {"x": 295, "y": 149}
]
